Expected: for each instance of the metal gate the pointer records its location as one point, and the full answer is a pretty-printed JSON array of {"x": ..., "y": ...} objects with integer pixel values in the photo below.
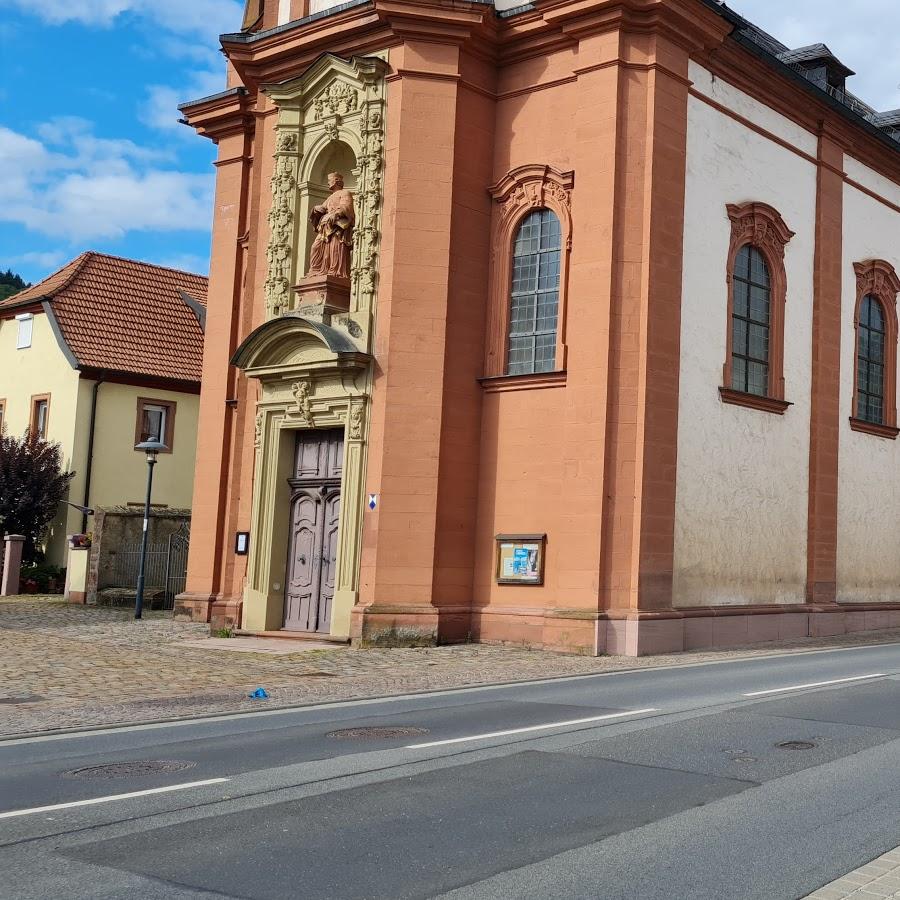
[{"x": 176, "y": 564}]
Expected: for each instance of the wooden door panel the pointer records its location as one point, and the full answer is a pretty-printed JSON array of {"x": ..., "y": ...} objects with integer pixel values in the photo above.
[
  {"x": 304, "y": 564},
  {"x": 331, "y": 518},
  {"x": 315, "y": 513}
]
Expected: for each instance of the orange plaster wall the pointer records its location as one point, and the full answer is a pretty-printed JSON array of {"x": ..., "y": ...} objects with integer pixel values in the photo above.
[
  {"x": 464, "y": 348},
  {"x": 411, "y": 329},
  {"x": 542, "y": 448},
  {"x": 214, "y": 438}
]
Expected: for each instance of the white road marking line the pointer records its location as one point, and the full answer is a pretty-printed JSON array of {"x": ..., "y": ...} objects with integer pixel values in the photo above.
[
  {"x": 800, "y": 687},
  {"x": 494, "y": 734},
  {"x": 161, "y": 790},
  {"x": 223, "y": 718}
]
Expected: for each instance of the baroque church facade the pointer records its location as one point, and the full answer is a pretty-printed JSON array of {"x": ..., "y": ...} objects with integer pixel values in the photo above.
[{"x": 565, "y": 324}]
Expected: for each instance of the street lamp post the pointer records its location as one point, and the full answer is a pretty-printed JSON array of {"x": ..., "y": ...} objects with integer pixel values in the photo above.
[{"x": 151, "y": 448}]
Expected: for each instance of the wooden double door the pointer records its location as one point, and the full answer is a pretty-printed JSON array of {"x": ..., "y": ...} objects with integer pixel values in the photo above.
[{"x": 313, "y": 542}]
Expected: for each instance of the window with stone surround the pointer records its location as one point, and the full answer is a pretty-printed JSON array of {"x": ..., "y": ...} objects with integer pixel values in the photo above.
[
  {"x": 531, "y": 240},
  {"x": 875, "y": 363},
  {"x": 753, "y": 374}
]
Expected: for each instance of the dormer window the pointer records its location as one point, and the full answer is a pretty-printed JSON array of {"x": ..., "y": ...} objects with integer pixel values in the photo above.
[
  {"x": 25, "y": 322},
  {"x": 819, "y": 65}
]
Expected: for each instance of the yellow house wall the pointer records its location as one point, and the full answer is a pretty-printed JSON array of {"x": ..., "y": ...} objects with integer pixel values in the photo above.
[
  {"x": 120, "y": 471},
  {"x": 41, "y": 368}
]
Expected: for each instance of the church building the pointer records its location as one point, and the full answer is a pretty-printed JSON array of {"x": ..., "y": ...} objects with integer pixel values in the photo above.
[{"x": 569, "y": 324}]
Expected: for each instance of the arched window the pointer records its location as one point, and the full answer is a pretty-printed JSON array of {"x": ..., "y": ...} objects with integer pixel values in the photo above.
[
  {"x": 875, "y": 373},
  {"x": 753, "y": 374},
  {"x": 534, "y": 300},
  {"x": 870, "y": 361},
  {"x": 750, "y": 319}
]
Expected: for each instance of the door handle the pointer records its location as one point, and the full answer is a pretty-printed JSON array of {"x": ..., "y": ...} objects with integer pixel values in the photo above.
[{"x": 301, "y": 560}]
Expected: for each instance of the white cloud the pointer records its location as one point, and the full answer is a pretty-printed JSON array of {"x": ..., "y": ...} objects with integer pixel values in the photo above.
[
  {"x": 49, "y": 260},
  {"x": 73, "y": 185},
  {"x": 187, "y": 30},
  {"x": 186, "y": 262},
  {"x": 199, "y": 16},
  {"x": 864, "y": 35},
  {"x": 161, "y": 108}
]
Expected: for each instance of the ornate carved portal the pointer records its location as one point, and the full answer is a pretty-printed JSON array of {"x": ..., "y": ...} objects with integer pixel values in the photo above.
[
  {"x": 330, "y": 120},
  {"x": 312, "y": 355}
]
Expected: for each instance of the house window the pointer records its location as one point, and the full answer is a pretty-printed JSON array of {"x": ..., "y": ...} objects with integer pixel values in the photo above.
[
  {"x": 870, "y": 361},
  {"x": 750, "y": 323},
  {"x": 875, "y": 375},
  {"x": 534, "y": 304},
  {"x": 40, "y": 416},
  {"x": 753, "y": 374},
  {"x": 25, "y": 322},
  {"x": 155, "y": 422}
]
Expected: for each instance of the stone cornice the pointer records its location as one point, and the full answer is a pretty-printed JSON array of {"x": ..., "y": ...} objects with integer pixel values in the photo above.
[{"x": 230, "y": 112}]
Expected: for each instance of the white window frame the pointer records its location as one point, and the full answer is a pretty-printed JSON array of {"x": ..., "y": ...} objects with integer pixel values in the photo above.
[
  {"x": 25, "y": 335},
  {"x": 284, "y": 12},
  {"x": 163, "y": 419}
]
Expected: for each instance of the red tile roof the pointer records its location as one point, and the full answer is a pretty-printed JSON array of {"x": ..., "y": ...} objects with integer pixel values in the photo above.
[{"x": 125, "y": 316}]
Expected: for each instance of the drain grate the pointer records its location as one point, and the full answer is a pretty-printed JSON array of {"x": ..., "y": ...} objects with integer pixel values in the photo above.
[
  {"x": 14, "y": 701},
  {"x": 796, "y": 745},
  {"x": 376, "y": 733},
  {"x": 134, "y": 769}
]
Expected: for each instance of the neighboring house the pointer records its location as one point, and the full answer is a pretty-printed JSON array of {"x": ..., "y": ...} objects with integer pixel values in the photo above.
[
  {"x": 615, "y": 369},
  {"x": 99, "y": 356}
]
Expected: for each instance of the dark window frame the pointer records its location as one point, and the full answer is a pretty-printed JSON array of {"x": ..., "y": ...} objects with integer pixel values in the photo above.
[
  {"x": 535, "y": 289},
  {"x": 747, "y": 279}
]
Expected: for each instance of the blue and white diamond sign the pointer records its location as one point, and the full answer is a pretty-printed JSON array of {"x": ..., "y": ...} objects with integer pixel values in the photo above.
[{"x": 373, "y": 501}]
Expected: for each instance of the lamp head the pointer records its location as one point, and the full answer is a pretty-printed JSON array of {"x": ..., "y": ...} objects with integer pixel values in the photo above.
[{"x": 151, "y": 448}]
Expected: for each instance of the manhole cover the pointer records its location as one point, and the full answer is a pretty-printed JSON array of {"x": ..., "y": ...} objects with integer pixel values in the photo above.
[
  {"x": 131, "y": 769},
  {"x": 382, "y": 734},
  {"x": 796, "y": 745}
]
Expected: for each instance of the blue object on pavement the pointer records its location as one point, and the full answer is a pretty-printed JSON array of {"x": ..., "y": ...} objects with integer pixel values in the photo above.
[{"x": 259, "y": 694}]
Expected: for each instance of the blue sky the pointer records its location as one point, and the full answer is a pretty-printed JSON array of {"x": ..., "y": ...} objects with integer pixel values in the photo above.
[
  {"x": 91, "y": 150},
  {"x": 93, "y": 157}
]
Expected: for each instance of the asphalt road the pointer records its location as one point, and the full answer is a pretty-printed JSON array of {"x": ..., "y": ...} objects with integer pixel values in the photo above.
[{"x": 762, "y": 778}]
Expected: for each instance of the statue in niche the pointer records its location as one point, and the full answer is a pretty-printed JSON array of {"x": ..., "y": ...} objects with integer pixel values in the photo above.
[{"x": 333, "y": 221}]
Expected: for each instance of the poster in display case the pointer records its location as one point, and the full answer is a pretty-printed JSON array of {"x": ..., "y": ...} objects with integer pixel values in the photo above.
[{"x": 520, "y": 558}]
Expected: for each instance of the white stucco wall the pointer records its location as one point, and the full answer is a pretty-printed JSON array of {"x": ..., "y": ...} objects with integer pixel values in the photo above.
[
  {"x": 742, "y": 480},
  {"x": 868, "y": 557}
]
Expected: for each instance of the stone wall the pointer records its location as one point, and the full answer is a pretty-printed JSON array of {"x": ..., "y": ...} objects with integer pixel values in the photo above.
[{"x": 120, "y": 526}]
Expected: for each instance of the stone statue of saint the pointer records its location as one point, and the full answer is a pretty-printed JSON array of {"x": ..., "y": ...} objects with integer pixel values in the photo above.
[{"x": 333, "y": 221}]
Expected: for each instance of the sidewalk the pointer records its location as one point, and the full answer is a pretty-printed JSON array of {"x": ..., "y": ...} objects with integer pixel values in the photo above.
[
  {"x": 71, "y": 666},
  {"x": 876, "y": 880}
]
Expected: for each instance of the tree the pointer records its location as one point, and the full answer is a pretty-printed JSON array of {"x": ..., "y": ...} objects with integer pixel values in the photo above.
[
  {"x": 32, "y": 485},
  {"x": 10, "y": 284}
]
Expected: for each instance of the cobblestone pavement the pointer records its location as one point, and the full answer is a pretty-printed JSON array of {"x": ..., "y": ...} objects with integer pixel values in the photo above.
[
  {"x": 876, "y": 880},
  {"x": 70, "y": 666}
]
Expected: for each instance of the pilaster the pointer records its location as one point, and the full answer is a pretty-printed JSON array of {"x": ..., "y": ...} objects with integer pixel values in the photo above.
[
  {"x": 645, "y": 324},
  {"x": 825, "y": 414}
]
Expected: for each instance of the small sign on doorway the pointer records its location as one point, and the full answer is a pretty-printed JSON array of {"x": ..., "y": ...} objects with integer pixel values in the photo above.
[
  {"x": 373, "y": 501},
  {"x": 242, "y": 543}
]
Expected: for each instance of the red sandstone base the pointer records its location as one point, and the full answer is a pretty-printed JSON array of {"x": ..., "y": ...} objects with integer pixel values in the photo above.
[{"x": 193, "y": 607}]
